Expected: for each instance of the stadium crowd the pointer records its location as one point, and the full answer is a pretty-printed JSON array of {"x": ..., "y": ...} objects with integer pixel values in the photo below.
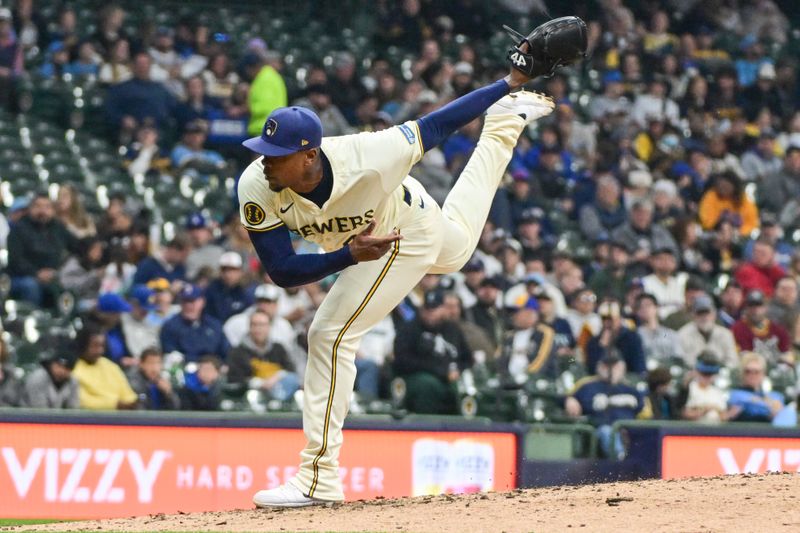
[{"x": 648, "y": 228}]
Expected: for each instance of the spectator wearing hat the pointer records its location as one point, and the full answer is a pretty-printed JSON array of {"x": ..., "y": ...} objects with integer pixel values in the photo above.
[
  {"x": 613, "y": 100},
  {"x": 584, "y": 322},
  {"x": 772, "y": 231},
  {"x": 228, "y": 294},
  {"x": 703, "y": 333},
  {"x": 260, "y": 363},
  {"x": 138, "y": 329},
  {"x": 750, "y": 402},
  {"x": 19, "y": 209},
  {"x": 753, "y": 57},
  {"x": 613, "y": 279},
  {"x": 11, "y": 388},
  {"x": 318, "y": 99},
  {"x": 169, "y": 263},
  {"x": 606, "y": 213},
  {"x": 702, "y": 400},
  {"x": 466, "y": 286},
  {"x": 266, "y": 298},
  {"x": 192, "y": 333},
  {"x": 761, "y": 161},
  {"x": 754, "y": 332},
  {"x": 606, "y": 399},
  {"x": 763, "y": 94},
  {"x": 202, "y": 389},
  {"x": 782, "y": 187},
  {"x": 163, "y": 301},
  {"x": 533, "y": 234},
  {"x": 190, "y": 152},
  {"x": 511, "y": 259},
  {"x": 205, "y": 253},
  {"x": 485, "y": 313},
  {"x": 102, "y": 384},
  {"x": 52, "y": 385},
  {"x": 463, "y": 81},
  {"x": 641, "y": 236},
  {"x": 564, "y": 343},
  {"x": 784, "y": 308},
  {"x": 267, "y": 88},
  {"x": 726, "y": 198},
  {"x": 107, "y": 315},
  {"x": 429, "y": 354},
  {"x": 614, "y": 335},
  {"x": 762, "y": 272},
  {"x": 529, "y": 349},
  {"x": 147, "y": 380},
  {"x": 138, "y": 101},
  {"x": 664, "y": 283},
  {"x": 38, "y": 246},
  {"x": 660, "y": 343}
]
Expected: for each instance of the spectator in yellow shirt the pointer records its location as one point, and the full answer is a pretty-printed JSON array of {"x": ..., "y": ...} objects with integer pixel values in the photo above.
[
  {"x": 102, "y": 385},
  {"x": 267, "y": 90},
  {"x": 726, "y": 198}
]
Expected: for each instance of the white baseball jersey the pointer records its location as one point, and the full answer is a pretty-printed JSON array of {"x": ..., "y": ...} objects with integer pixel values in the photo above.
[
  {"x": 369, "y": 169},
  {"x": 371, "y": 182}
]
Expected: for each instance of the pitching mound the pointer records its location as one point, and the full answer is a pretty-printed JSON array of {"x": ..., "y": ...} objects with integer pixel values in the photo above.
[{"x": 732, "y": 503}]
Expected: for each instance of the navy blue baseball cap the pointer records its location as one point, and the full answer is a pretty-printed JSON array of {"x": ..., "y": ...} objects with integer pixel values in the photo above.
[
  {"x": 286, "y": 131},
  {"x": 190, "y": 293},
  {"x": 143, "y": 296}
]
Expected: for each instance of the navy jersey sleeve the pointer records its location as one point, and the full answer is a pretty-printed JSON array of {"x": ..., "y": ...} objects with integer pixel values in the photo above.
[{"x": 288, "y": 269}]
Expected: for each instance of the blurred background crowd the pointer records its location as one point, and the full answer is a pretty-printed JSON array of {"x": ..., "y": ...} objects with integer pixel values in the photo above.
[{"x": 641, "y": 258}]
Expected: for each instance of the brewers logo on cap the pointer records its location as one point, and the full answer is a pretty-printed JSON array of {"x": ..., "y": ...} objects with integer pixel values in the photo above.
[
  {"x": 254, "y": 214},
  {"x": 270, "y": 127}
]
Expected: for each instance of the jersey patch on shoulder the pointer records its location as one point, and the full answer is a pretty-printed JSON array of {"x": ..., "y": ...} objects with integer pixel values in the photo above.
[
  {"x": 408, "y": 133},
  {"x": 254, "y": 214}
]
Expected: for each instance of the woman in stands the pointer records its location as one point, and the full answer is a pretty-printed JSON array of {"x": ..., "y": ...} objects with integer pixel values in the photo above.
[{"x": 71, "y": 212}]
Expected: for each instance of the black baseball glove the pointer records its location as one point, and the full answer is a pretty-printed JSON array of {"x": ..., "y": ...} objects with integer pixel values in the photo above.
[{"x": 554, "y": 44}]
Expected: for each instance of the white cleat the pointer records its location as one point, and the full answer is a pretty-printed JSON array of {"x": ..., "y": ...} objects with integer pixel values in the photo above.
[
  {"x": 530, "y": 106},
  {"x": 287, "y": 495}
]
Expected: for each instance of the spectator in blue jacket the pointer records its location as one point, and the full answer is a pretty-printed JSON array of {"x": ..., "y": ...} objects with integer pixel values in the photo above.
[
  {"x": 190, "y": 152},
  {"x": 170, "y": 264},
  {"x": 750, "y": 402},
  {"x": 190, "y": 332},
  {"x": 605, "y": 399},
  {"x": 139, "y": 100},
  {"x": 228, "y": 295},
  {"x": 614, "y": 335}
]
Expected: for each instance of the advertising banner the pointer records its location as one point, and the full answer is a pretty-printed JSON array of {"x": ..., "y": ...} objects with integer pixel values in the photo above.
[
  {"x": 98, "y": 471},
  {"x": 684, "y": 456}
]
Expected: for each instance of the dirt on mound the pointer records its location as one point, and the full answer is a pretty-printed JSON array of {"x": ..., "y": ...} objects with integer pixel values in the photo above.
[{"x": 732, "y": 503}]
